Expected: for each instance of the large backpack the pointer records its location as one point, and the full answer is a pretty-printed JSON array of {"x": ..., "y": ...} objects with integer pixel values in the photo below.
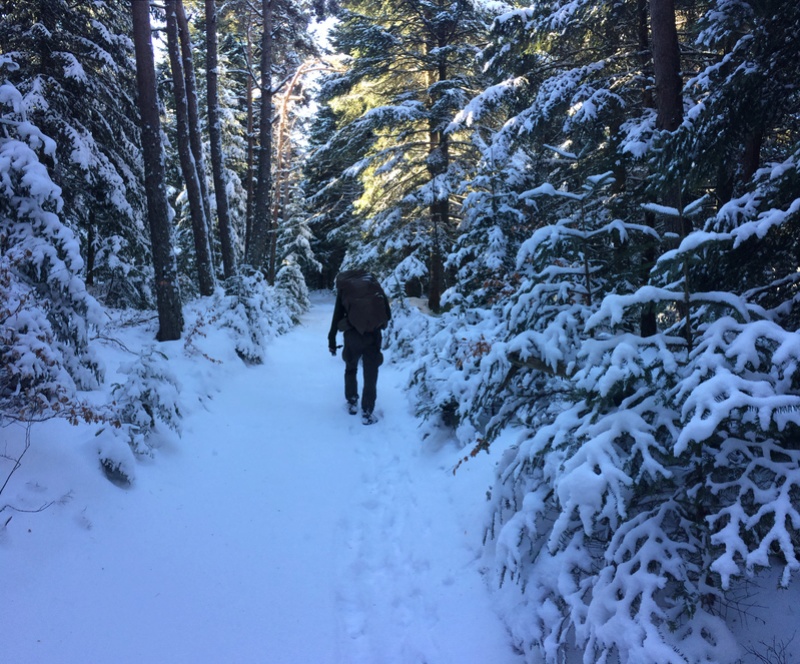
[{"x": 363, "y": 299}]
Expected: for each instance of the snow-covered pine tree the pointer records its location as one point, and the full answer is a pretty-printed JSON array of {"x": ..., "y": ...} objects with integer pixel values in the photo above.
[
  {"x": 670, "y": 472},
  {"x": 75, "y": 73},
  {"x": 256, "y": 312},
  {"x": 675, "y": 476},
  {"x": 492, "y": 227},
  {"x": 295, "y": 239},
  {"x": 148, "y": 400},
  {"x": 293, "y": 246},
  {"x": 46, "y": 311},
  {"x": 408, "y": 165},
  {"x": 551, "y": 96},
  {"x": 330, "y": 193},
  {"x": 291, "y": 289}
]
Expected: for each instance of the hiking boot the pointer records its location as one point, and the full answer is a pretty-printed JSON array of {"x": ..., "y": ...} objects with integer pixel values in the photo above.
[
  {"x": 352, "y": 407},
  {"x": 368, "y": 418}
]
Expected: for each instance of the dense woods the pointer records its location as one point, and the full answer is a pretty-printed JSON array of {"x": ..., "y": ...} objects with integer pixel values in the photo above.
[{"x": 597, "y": 201}]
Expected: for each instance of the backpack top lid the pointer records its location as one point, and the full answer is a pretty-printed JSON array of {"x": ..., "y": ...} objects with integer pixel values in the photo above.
[
  {"x": 345, "y": 277},
  {"x": 363, "y": 300}
]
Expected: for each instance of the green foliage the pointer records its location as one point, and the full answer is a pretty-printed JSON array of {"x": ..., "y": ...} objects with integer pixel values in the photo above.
[
  {"x": 408, "y": 72},
  {"x": 646, "y": 354},
  {"x": 46, "y": 311},
  {"x": 76, "y": 76},
  {"x": 292, "y": 290},
  {"x": 147, "y": 400}
]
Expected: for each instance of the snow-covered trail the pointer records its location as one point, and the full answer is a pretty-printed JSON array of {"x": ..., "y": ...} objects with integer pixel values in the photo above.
[{"x": 277, "y": 530}]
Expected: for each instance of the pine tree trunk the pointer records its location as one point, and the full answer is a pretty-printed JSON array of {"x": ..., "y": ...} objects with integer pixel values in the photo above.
[
  {"x": 281, "y": 169},
  {"x": 438, "y": 164},
  {"x": 278, "y": 180},
  {"x": 751, "y": 154},
  {"x": 250, "y": 138},
  {"x": 205, "y": 271},
  {"x": 648, "y": 325},
  {"x": 669, "y": 97},
  {"x": 669, "y": 108},
  {"x": 435, "y": 286},
  {"x": 170, "y": 315},
  {"x": 195, "y": 135},
  {"x": 215, "y": 137},
  {"x": 262, "y": 222},
  {"x": 91, "y": 248},
  {"x": 666, "y": 64}
]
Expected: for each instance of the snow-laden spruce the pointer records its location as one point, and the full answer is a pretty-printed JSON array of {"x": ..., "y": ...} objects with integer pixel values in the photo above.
[
  {"x": 653, "y": 475},
  {"x": 46, "y": 311}
]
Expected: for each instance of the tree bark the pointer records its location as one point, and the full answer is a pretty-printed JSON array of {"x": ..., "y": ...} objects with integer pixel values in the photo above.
[
  {"x": 215, "y": 137},
  {"x": 438, "y": 164},
  {"x": 279, "y": 176},
  {"x": 250, "y": 135},
  {"x": 170, "y": 315},
  {"x": 669, "y": 108},
  {"x": 195, "y": 135},
  {"x": 262, "y": 222},
  {"x": 669, "y": 97},
  {"x": 205, "y": 271},
  {"x": 283, "y": 159},
  {"x": 733, "y": 174},
  {"x": 91, "y": 248},
  {"x": 666, "y": 65},
  {"x": 751, "y": 155},
  {"x": 648, "y": 325}
]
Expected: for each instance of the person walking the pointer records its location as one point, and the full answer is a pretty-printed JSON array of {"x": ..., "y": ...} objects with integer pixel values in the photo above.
[{"x": 361, "y": 312}]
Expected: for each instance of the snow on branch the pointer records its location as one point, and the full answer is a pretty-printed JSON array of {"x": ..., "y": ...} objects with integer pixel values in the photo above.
[
  {"x": 614, "y": 307},
  {"x": 408, "y": 111},
  {"x": 484, "y": 102}
]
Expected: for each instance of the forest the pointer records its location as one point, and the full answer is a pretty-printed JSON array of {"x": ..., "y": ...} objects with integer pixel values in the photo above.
[{"x": 586, "y": 213}]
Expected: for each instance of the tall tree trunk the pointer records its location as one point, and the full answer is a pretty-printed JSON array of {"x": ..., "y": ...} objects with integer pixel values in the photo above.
[
  {"x": 666, "y": 64},
  {"x": 438, "y": 164},
  {"x": 195, "y": 135},
  {"x": 669, "y": 97},
  {"x": 643, "y": 34},
  {"x": 262, "y": 222},
  {"x": 44, "y": 46},
  {"x": 279, "y": 176},
  {"x": 669, "y": 108},
  {"x": 733, "y": 174},
  {"x": 205, "y": 271},
  {"x": 91, "y": 248},
  {"x": 648, "y": 325},
  {"x": 170, "y": 315},
  {"x": 250, "y": 131},
  {"x": 751, "y": 154},
  {"x": 215, "y": 137},
  {"x": 283, "y": 150}
]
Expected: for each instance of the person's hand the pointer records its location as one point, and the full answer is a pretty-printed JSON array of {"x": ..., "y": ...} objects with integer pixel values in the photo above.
[{"x": 332, "y": 349}]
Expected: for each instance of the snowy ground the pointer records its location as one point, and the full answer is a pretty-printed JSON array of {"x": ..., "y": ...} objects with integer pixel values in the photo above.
[{"x": 278, "y": 529}]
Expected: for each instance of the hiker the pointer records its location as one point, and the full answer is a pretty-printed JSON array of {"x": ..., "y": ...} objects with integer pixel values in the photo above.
[{"x": 361, "y": 312}]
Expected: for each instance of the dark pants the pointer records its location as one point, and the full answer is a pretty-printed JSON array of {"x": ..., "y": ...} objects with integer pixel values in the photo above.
[{"x": 367, "y": 348}]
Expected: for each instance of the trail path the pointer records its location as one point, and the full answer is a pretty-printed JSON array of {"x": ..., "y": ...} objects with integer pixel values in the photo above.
[{"x": 278, "y": 530}]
